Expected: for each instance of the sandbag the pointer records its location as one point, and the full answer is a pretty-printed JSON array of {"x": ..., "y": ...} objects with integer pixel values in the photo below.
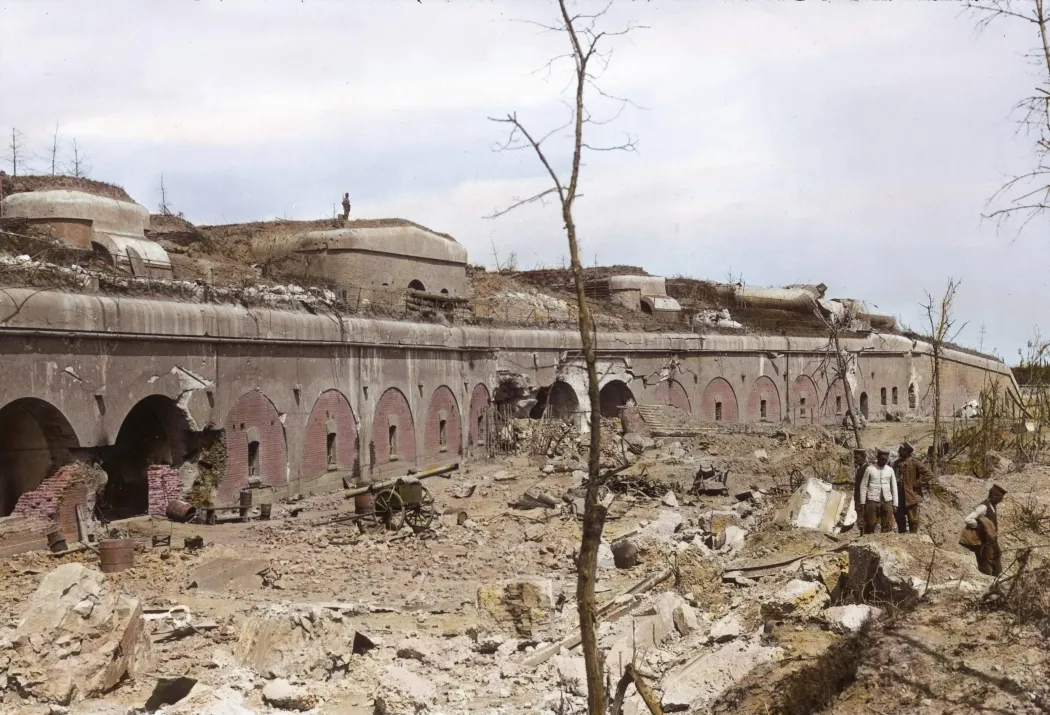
[{"x": 970, "y": 539}]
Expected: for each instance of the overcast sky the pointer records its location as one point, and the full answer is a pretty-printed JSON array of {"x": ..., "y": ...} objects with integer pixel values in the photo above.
[{"x": 853, "y": 144}]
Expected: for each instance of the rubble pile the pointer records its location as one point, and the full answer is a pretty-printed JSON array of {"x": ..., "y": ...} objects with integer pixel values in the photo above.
[{"x": 723, "y": 588}]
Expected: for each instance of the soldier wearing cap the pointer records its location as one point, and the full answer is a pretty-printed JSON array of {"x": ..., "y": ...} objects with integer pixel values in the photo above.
[
  {"x": 878, "y": 494},
  {"x": 985, "y": 519},
  {"x": 913, "y": 479}
]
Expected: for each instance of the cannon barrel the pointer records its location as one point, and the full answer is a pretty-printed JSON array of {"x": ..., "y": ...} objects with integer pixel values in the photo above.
[{"x": 443, "y": 471}]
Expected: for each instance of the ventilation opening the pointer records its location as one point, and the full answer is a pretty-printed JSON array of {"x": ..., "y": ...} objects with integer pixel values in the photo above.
[
  {"x": 762, "y": 409},
  {"x": 718, "y": 412},
  {"x": 882, "y": 396},
  {"x": 481, "y": 429},
  {"x": 802, "y": 407},
  {"x": 443, "y": 435},
  {"x": 253, "y": 459},
  {"x": 392, "y": 438},
  {"x": 444, "y": 291},
  {"x": 838, "y": 404},
  {"x": 894, "y": 395},
  {"x": 330, "y": 450}
]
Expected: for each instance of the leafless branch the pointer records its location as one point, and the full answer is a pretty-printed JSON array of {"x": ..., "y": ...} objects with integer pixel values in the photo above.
[{"x": 517, "y": 204}]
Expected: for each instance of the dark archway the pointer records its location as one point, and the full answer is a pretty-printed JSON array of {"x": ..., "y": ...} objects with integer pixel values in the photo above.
[
  {"x": 613, "y": 396},
  {"x": 864, "y": 404},
  {"x": 417, "y": 285},
  {"x": 563, "y": 401},
  {"x": 35, "y": 440},
  {"x": 155, "y": 431},
  {"x": 479, "y": 406}
]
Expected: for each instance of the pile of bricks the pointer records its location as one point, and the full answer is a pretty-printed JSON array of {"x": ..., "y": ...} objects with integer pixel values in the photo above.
[
  {"x": 165, "y": 486},
  {"x": 58, "y": 496}
]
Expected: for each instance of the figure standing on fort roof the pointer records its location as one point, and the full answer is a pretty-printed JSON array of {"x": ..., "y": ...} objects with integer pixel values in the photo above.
[{"x": 346, "y": 206}]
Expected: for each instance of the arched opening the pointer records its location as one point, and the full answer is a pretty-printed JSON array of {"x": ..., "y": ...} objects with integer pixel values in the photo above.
[
  {"x": 670, "y": 392},
  {"x": 256, "y": 447},
  {"x": 804, "y": 400},
  {"x": 330, "y": 442},
  {"x": 479, "y": 405},
  {"x": 35, "y": 440},
  {"x": 913, "y": 399},
  {"x": 154, "y": 432},
  {"x": 443, "y": 433},
  {"x": 563, "y": 401},
  {"x": 393, "y": 434},
  {"x": 613, "y": 397},
  {"x": 718, "y": 403},
  {"x": 864, "y": 405},
  {"x": 444, "y": 291},
  {"x": 417, "y": 285},
  {"x": 763, "y": 402}
]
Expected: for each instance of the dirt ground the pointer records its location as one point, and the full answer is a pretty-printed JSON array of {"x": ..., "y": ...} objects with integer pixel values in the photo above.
[{"x": 444, "y": 644}]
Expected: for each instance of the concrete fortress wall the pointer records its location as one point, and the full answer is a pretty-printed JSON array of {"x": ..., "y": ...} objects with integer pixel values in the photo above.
[
  {"x": 302, "y": 399},
  {"x": 62, "y": 206}
]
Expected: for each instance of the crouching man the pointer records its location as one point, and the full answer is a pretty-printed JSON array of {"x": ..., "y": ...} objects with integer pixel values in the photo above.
[
  {"x": 981, "y": 534},
  {"x": 878, "y": 494}
]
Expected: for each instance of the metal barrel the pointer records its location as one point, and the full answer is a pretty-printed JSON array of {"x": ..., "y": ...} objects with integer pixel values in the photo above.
[
  {"x": 365, "y": 503},
  {"x": 56, "y": 541},
  {"x": 265, "y": 510},
  {"x": 180, "y": 511},
  {"x": 116, "y": 555}
]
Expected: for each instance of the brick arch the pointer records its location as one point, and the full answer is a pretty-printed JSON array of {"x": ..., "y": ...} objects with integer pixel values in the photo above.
[
  {"x": 719, "y": 390},
  {"x": 331, "y": 415},
  {"x": 763, "y": 389},
  {"x": 835, "y": 405},
  {"x": 479, "y": 404},
  {"x": 392, "y": 411},
  {"x": 671, "y": 392},
  {"x": 253, "y": 418},
  {"x": 443, "y": 406},
  {"x": 803, "y": 387},
  {"x": 35, "y": 439}
]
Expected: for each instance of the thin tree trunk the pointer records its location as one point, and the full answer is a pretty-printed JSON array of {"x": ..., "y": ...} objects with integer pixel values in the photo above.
[
  {"x": 846, "y": 388},
  {"x": 935, "y": 461}
]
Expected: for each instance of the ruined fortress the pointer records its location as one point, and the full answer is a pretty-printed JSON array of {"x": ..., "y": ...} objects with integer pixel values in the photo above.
[{"x": 192, "y": 361}]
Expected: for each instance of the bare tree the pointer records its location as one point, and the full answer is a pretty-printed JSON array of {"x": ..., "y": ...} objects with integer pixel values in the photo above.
[
  {"x": 834, "y": 364},
  {"x": 586, "y": 43},
  {"x": 1026, "y": 195},
  {"x": 78, "y": 163},
  {"x": 16, "y": 152},
  {"x": 164, "y": 207},
  {"x": 53, "y": 153},
  {"x": 941, "y": 331}
]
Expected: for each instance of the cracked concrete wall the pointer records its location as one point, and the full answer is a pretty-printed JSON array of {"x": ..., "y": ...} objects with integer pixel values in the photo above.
[{"x": 95, "y": 357}]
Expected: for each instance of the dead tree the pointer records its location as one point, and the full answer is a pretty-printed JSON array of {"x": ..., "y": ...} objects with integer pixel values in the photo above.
[
  {"x": 941, "y": 331},
  {"x": 53, "y": 153},
  {"x": 834, "y": 364},
  {"x": 585, "y": 42},
  {"x": 78, "y": 165},
  {"x": 16, "y": 152},
  {"x": 1028, "y": 194}
]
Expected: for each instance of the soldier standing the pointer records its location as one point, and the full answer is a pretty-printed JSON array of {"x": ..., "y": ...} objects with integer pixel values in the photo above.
[
  {"x": 346, "y": 206},
  {"x": 913, "y": 478},
  {"x": 878, "y": 493}
]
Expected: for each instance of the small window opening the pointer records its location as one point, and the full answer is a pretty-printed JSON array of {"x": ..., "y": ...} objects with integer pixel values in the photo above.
[
  {"x": 838, "y": 404},
  {"x": 443, "y": 435},
  {"x": 253, "y": 459},
  {"x": 762, "y": 409},
  {"x": 718, "y": 412},
  {"x": 894, "y": 395},
  {"x": 481, "y": 429},
  {"x": 393, "y": 442},
  {"x": 882, "y": 396},
  {"x": 330, "y": 449},
  {"x": 802, "y": 407}
]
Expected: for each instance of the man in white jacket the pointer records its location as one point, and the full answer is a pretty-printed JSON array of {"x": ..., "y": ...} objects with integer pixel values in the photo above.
[{"x": 878, "y": 494}]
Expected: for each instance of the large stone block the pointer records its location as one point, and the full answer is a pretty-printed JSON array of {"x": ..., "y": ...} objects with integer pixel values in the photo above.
[{"x": 518, "y": 607}]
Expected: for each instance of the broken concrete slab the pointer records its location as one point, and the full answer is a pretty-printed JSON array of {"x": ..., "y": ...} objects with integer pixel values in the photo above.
[
  {"x": 572, "y": 673},
  {"x": 851, "y": 618},
  {"x": 726, "y": 628},
  {"x": 880, "y": 572},
  {"x": 283, "y": 695},
  {"x": 519, "y": 607},
  {"x": 685, "y": 619},
  {"x": 228, "y": 572},
  {"x": 670, "y": 500},
  {"x": 60, "y": 653},
  {"x": 815, "y": 505},
  {"x": 797, "y": 599},
  {"x": 203, "y": 700},
  {"x": 403, "y": 692},
  {"x": 697, "y": 683},
  {"x": 663, "y": 527}
]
